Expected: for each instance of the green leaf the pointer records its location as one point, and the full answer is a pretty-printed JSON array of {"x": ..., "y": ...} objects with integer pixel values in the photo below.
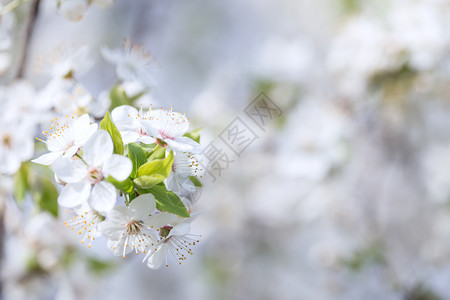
[
  {"x": 195, "y": 181},
  {"x": 194, "y": 134},
  {"x": 167, "y": 201},
  {"x": 157, "y": 153},
  {"x": 137, "y": 156},
  {"x": 21, "y": 182},
  {"x": 108, "y": 125},
  {"x": 125, "y": 186},
  {"x": 118, "y": 97},
  {"x": 154, "y": 172},
  {"x": 147, "y": 181},
  {"x": 157, "y": 166},
  {"x": 148, "y": 147},
  {"x": 45, "y": 195}
]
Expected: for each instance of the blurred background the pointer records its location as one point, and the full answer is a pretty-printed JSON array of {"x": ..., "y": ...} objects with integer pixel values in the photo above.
[{"x": 342, "y": 193}]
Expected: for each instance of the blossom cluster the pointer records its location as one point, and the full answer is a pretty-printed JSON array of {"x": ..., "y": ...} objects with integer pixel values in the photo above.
[{"x": 148, "y": 158}]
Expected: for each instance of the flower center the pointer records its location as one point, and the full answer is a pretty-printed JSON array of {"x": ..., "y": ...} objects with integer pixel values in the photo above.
[
  {"x": 165, "y": 230},
  {"x": 7, "y": 140},
  {"x": 95, "y": 175},
  {"x": 134, "y": 227},
  {"x": 164, "y": 135},
  {"x": 140, "y": 131},
  {"x": 161, "y": 143}
]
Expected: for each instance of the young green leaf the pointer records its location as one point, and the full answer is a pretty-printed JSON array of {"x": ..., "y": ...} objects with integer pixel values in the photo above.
[
  {"x": 108, "y": 125},
  {"x": 167, "y": 201},
  {"x": 154, "y": 172},
  {"x": 157, "y": 153},
  {"x": 147, "y": 181},
  {"x": 148, "y": 147},
  {"x": 125, "y": 186},
  {"x": 137, "y": 156},
  {"x": 157, "y": 166}
]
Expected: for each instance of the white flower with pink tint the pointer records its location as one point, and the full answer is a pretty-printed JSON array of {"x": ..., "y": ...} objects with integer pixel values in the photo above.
[{"x": 168, "y": 128}]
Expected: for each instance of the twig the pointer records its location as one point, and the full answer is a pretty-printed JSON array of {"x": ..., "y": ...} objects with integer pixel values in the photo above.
[{"x": 29, "y": 32}]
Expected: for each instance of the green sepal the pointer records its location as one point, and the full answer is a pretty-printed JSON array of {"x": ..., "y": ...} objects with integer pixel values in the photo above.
[{"x": 195, "y": 181}]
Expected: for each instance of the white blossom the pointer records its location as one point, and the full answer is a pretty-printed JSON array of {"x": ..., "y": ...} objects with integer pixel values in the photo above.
[
  {"x": 86, "y": 177},
  {"x": 129, "y": 228},
  {"x": 132, "y": 63},
  {"x": 168, "y": 128},
  {"x": 184, "y": 166},
  {"x": 65, "y": 137},
  {"x": 127, "y": 120},
  {"x": 176, "y": 240}
]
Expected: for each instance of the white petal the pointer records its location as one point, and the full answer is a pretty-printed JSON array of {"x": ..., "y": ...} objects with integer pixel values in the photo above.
[
  {"x": 116, "y": 247},
  {"x": 69, "y": 170},
  {"x": 181, "y": 229},
  {"x": 81, "y": 61},
  {"x": 126, "y": 72},
  {"x": 98, "y": 148},
  {"x": 74, "y": 194},
  {"x": 98, "y": 108},
  {"x": 103, "y": 196},
  {"x": 83, "y": 130},
  {"x": 110, "y": 229},
  {"x": 143, "y": 205},
  {"x": 162, "y": 219},
  {"x": 48, "y": 158},
  {"x": 120, "y": 214},
  {"x": 146, "y": 139},
  {"x": 9, "y": 164},
  {"x": 112, "y": 56},
  {"x": 70, "y": 152},
  {"x": 119, "y": 167},
  {"x": 124, "y": 117},
  {"x": 158, "y": 258},
  {"x": 81, "y": 124},
  {"x": 173, "y": 124},
  {"x": 150, "y": 129},
  {"x": 129, "y": 136},
  {"x": 184, "y": 144}
]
